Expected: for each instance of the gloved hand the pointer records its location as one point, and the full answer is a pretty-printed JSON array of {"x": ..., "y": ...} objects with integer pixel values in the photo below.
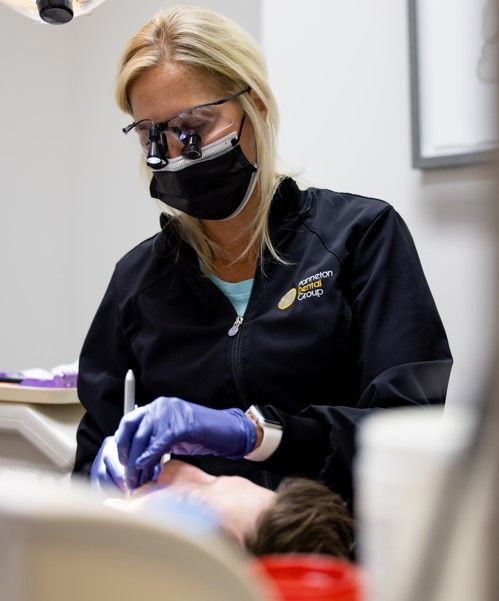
[
  {"x": 171, "y": 425},
  {"x": 106, "y": 469}
]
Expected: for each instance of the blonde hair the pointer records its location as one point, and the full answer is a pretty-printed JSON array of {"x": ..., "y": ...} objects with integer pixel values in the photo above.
[{"x": 210, "y": 43}]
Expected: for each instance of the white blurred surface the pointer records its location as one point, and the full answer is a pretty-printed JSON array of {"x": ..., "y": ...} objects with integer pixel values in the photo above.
[
  {"x": 63, "y": 544},
  {"x": 405, "y": 457}
]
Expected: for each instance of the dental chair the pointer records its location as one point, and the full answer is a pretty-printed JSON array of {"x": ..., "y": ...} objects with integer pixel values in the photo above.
[
  {"x": 59, "y": 543},
  {"x": 38, "y": 427}
]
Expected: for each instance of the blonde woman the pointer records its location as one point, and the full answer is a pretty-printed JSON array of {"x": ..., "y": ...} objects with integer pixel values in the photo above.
[{"x": 262, "y": 322}]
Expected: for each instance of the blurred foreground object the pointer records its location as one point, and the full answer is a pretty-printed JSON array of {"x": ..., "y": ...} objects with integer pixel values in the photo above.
[
  {"x": 55, "y": 12},
  {"x": 312, "y": 577},
  {"x": 407, "y": 458},
  {"x": 60, "y": 543}
]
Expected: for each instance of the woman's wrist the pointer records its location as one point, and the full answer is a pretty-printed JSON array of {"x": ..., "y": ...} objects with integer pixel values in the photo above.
[{"x": 259, "y": 432}]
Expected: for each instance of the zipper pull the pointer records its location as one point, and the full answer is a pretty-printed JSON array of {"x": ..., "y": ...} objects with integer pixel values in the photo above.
[{"x": 235, "y": 326}]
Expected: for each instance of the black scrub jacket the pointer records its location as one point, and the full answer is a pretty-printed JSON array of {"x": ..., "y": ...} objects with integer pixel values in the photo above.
[{"x": 346, "y": 327}]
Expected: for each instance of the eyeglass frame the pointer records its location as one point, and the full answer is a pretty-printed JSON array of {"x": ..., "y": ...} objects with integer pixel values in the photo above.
[{"x": 163, "y": 125}]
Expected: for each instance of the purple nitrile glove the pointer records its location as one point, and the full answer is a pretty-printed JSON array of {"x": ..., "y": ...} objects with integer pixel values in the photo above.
[
  {"x": 107, "y": 471},
  {"x": 171, "y": 425}
]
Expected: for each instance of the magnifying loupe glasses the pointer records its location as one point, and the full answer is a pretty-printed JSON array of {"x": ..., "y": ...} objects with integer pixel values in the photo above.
[{"x": 182, "y": 135}]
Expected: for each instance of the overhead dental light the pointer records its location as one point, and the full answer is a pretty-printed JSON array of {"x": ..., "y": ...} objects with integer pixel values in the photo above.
[{"x": 55, "y": 12}]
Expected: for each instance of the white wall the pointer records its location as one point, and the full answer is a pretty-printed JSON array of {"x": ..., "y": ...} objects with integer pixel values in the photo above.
[
  {"x": 340, "y": 71},
  {"x": 75, "y": 204},
  {"x": 71, "y": 200},
  {"x": 37, "y": 192}
]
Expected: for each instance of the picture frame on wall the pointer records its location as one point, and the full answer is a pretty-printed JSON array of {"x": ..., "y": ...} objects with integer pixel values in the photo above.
[{"x": 453, "y": 44}]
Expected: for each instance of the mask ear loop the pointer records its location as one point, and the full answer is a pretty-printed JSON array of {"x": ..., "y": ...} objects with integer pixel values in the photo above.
[
  {"x": 243, "y": 159},
  {"x": 235, "y": 141}
]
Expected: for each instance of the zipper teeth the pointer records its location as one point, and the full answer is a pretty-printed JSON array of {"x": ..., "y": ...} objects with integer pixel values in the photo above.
[
  {"x": 236, "y": 368},
  {"x": 236, "y": 344}
]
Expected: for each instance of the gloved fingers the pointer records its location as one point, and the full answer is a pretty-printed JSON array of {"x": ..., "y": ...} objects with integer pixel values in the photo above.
[
  {"x": 115, "y": 471},
  {"x": 95, "y": 470},
  {"x": 156, "y": 472},
  {"x": 101, "y": 477},
  {"x": 126, "y": 431},
  {"x": 143, "y": 477},
  {"x": 139, "y": 443},
  {"x": 149, "y": 474},
  {"x": 100, "y": 474},
  {"x": 153, "y": 453}
]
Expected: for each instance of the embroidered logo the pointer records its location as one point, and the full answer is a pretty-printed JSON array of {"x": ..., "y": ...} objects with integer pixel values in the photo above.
[
  {"x": 287, "y": 300},
  {"x": 311, "y": 286}
]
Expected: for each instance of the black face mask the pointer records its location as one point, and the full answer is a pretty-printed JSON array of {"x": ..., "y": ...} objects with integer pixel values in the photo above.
[{"x": 217, "y": 186}]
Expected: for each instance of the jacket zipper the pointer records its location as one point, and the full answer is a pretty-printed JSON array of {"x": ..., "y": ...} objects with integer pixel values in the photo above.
[
  {"x": 235, "y": 326},
  {"x": 238, "y": 377},
  {"x": 235, "y": 358}
]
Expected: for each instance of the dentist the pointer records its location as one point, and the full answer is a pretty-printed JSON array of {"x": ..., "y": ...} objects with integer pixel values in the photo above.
[{"x": 263, "y": 322}]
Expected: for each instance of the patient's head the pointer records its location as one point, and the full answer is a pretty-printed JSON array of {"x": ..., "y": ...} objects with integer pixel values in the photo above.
[
  {"x": 302, "y": 516},
  {"x": 305, "y": 517},
  {"x": 238, "y": 502}
]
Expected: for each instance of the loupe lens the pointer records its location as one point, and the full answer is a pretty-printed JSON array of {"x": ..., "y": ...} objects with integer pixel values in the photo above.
[
  {"x": 192, "y": 146},
  {"x": 198, "y": 127}
]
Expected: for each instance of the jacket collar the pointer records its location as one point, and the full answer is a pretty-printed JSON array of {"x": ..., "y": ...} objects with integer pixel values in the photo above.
[{"x": 288, "y": 209}]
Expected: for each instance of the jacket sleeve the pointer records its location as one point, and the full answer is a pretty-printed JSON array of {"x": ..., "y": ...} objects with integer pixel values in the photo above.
[
  {"x": 399, "y": 356},
  {"x": 105, "y": 358}
]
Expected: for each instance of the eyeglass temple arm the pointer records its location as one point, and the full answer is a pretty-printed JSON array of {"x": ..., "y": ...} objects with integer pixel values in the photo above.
[{"x": 164, "y": 124}]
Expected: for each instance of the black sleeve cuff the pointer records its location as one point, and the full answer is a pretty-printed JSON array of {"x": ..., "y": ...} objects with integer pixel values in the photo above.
[{"x": 303, "y": 447}]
